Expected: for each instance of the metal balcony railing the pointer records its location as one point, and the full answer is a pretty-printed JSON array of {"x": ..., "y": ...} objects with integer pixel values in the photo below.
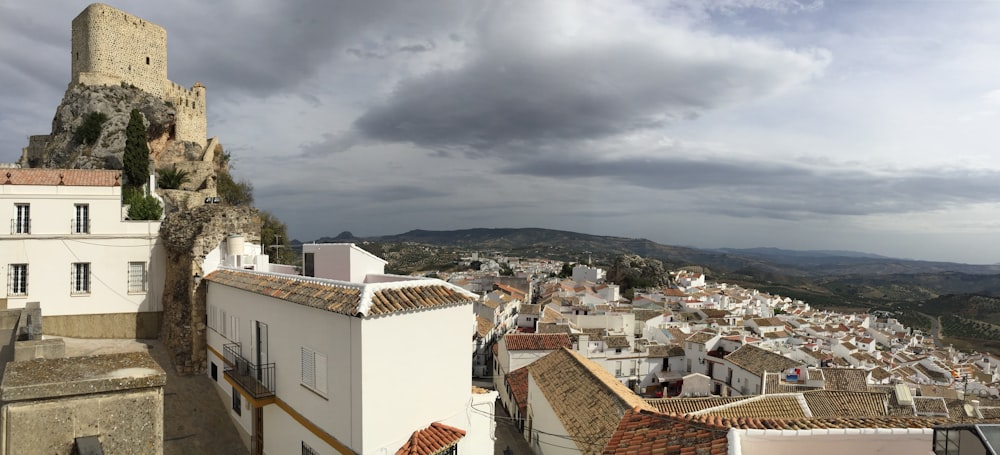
[
  {"x": 256, "y": 380},
  {"x": 79, "y": 226},
  {"x": 20, "y": 226}
]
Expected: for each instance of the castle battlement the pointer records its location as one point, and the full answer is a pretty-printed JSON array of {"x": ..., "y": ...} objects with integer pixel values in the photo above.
[{"x": 112, "y": 47}]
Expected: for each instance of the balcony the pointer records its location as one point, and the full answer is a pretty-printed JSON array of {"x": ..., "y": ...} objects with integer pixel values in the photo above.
[
  {"x": 257, "y": 381},
  {"x": 79, "y": 226},
  {"x": 20, "y": 226}
]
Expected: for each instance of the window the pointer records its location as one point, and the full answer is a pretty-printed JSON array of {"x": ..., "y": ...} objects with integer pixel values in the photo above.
[
  {"x": 17, "y": 281},
  {"x": 80, "y": 279},
  {"x": 215, "y": 372},
  {"x": 237, "y": 403},
  {"x": 314, "y": 370},
  {"x": 309, "y": 264},
  {"x": 618, "y": 368},
  {"x": 306, "y": 450},
  {"x": 453, "y": 450},
  {"x": 147, "y": 60},
  {"x": 81, "y": 223},
  {"x": 22, "y": 219},
  {"x": 137, "y": 277}
]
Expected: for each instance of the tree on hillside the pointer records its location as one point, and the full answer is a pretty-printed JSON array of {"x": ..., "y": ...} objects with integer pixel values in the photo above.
[
  {"x": 233, "y": 192},
  {"x": 274, "y": 238},
  {"x": 136, "y": 159},
  {"x": 567, "y": 270}
]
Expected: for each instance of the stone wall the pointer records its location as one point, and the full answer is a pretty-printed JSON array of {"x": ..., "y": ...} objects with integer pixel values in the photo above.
[
  {"x": 115, "y": 398},
  {"x": 112, "y": 47},
  {"x": 144, "y": 325},
  {"x": 188, "y": 237},
  {"x": 110, "y": 43}
]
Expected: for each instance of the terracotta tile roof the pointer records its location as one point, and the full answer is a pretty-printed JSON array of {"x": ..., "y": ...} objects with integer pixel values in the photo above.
[
  {"x": 517, "y": 381},
  {"x": 536, "y": 341},
  {"x": 849, "y": 379},
  {"x": 930, "y": 406},
  {"x": 931, "y": 390},
  {"x": 643, "y": 432},
  {"x": 431, "y": 440},
  {"x": 69, "y": 177},
  {"x": 783, "y": 406},
  {"x": 552, "y": 327},
  {"x": 701, "y": 337},
  {"x": 586, "y": 398},
  {"x": 660, "y": 351},
  {"x": 757, "y": 360},
  {"x": 352, "y": 299},
  {"x": 880, "y": 374},
  {"x": 774, "y": 384},
  {"x": 990, "y": 412},
  {"x": 483, "y": 326},
  {"x": 530, "y": 309},
  {"x": 645, "y": 315},
  {"x": 690, "y": 405},
  {"x": 829, "y": 403},
  {"x": 824, "y": 423},
  {"x": 617, "y": 341}
]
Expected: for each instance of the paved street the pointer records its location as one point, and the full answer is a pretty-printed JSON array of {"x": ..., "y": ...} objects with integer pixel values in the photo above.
[{"x": 508, "y": 436}]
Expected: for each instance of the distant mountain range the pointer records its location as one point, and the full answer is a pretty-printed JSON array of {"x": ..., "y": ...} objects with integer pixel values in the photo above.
[{"x": 768, "y": 263}]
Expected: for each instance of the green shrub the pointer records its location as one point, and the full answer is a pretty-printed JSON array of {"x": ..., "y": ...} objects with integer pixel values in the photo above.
[
  {"x": 90, "y": 128},
  {"x": 145, "y": 208},
  {"x": 171, "y": 179}
]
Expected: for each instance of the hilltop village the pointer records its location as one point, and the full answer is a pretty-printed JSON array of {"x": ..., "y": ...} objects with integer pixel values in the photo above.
[{"x": 337, "y": 356}]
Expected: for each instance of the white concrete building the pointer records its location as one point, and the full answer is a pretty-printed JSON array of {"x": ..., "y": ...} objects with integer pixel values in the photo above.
[
  {"x": 583, "y": 273},
  {"x": 67, "y": 245},
  {"x": 326, "y": 366}
]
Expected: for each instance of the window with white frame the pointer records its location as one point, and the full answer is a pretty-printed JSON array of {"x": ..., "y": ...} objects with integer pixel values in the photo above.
[
  {"x": 17, "y": 279},
  {"x": 81, "y": 222},
  {"x": 137, "y": 277},
  {"x": 80, "y": 278},
  {"x": 22, "y": 219},
  {"x": 314, "y": 370}
]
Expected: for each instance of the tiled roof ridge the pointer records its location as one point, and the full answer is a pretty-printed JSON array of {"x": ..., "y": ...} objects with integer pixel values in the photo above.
[
  {"x": 594, "y": 373},
  {"x": 771, "y": 423},
  {"x": 431, "y": 440},
  {"x": 797, "y": 395},
  {"x": 301, "y": 278},
  {"x": 68, "y": 177}
]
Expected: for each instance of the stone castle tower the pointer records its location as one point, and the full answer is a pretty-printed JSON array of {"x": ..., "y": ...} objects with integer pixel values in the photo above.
[{"x": 112, "y": 47}]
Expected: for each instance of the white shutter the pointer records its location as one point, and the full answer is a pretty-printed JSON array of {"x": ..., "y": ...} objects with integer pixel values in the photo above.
[
  {"x": 320, "y": 372},
  {"x": 309, "y": 367}
]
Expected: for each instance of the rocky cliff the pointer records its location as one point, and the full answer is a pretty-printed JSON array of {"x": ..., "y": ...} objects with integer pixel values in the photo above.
[{"x": 60, "y": 149}]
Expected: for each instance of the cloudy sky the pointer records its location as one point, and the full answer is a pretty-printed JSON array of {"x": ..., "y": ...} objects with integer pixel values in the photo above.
[{"x": 858, "y": 125}]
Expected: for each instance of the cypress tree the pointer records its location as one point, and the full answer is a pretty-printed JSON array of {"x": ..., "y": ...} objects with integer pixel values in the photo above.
[{"x": 136, "y": 159}]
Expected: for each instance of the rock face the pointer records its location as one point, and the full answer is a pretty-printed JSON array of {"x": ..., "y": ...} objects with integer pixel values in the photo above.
[
  {"x": 59, "y": 148},
  {"x": 632, "y": 271},
  {"x": 188, "y": 237}
]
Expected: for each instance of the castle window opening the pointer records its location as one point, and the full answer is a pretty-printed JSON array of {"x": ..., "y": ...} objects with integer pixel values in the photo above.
[{"x": 147, "y": 60}]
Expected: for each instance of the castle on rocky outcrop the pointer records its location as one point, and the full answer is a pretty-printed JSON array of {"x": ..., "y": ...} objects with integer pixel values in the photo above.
[{"x": 112, "y": 47}]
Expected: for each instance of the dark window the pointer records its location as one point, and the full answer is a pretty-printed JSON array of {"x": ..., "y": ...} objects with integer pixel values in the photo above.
[
  {"x": 309, "y": 264},
  {"x": 81, "y": 220},
  {"x": 17, "y": 281},
  {"x": 453, "y": 450},
  {"x": 215, "y": 372},
  {"x": 22, "y": 223},
  {"x": 237, "y": 403},
  {"x": 80, "y": 279},
  {"x": 306, "y": 450},
  {"x": 147, "y": 60}
]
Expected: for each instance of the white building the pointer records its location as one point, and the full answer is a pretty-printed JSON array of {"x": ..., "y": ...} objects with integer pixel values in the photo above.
[
  {"x": 326, "y": 366},
  {"x": 67, "y": 245},
  {"x": 583, "y": 273}
]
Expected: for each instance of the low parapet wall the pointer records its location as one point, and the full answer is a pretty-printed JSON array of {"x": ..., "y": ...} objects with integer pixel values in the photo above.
[{"x": 144, "y": 325}]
